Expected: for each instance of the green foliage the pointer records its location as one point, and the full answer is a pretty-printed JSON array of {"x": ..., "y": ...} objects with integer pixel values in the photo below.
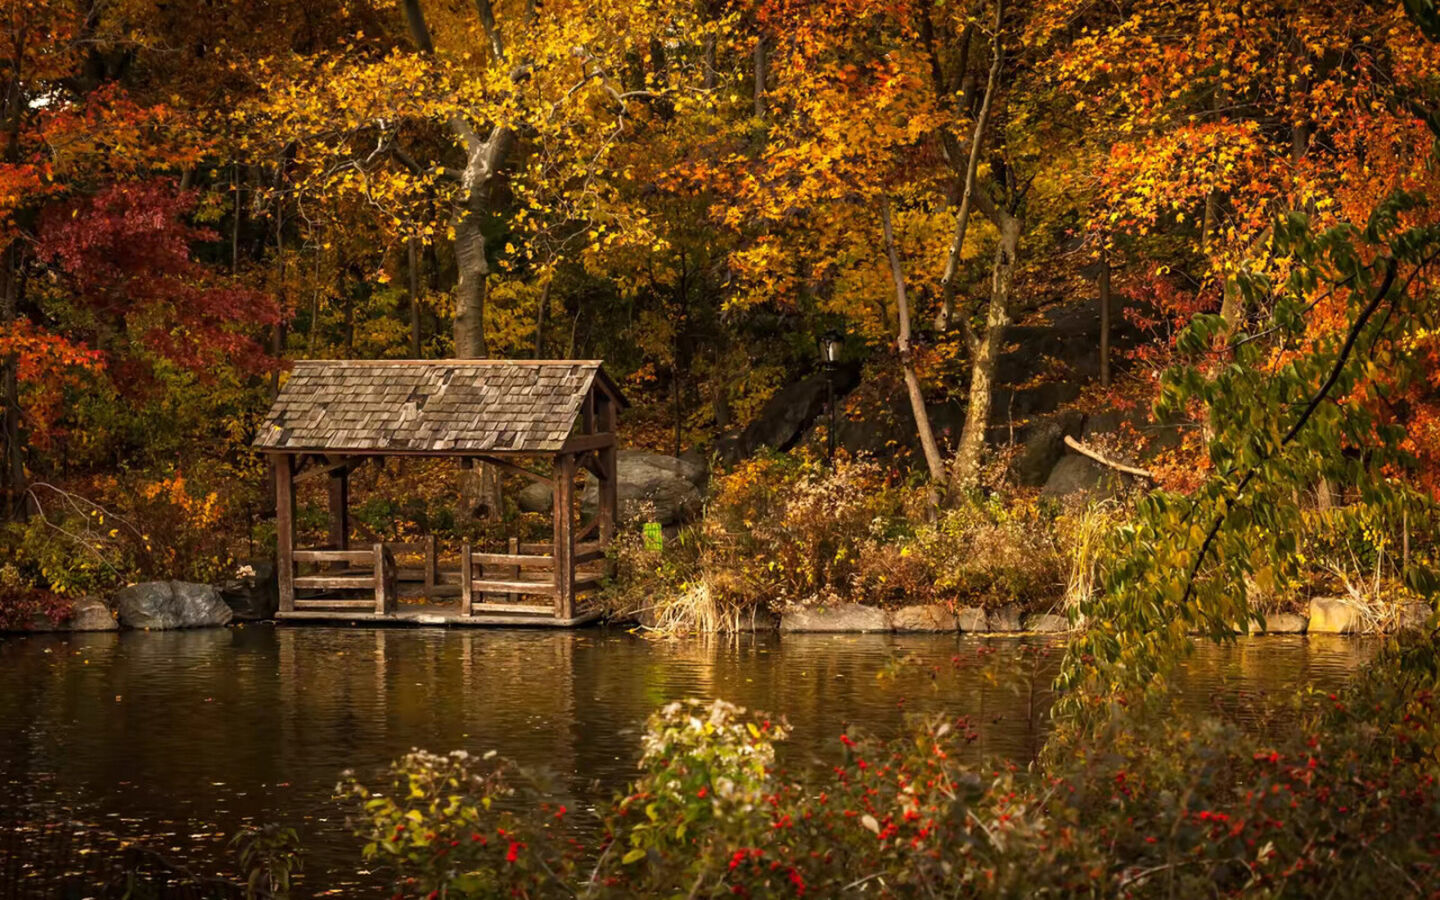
[
  {"x": 1294, "y": 403},
  {"x": 449, "y": 823},
  {"x": 270, "y": 856},
  {"x": 787, "y": 528},
  {"x": 1336, "y": 797}
]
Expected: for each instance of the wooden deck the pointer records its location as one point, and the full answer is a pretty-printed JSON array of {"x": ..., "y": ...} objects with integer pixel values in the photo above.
[
  {"x": 504, "y": 589},
  {"x": 446, "y": 614}
]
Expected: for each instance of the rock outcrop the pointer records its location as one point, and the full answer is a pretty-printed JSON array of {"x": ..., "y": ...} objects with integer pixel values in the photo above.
[
  {"x": 971, "y": 619},
  {"x": 253, "y": 593},
  {"x": 1281, "y": 623},
  {"x": 840, "y": 617},
  {"x": 91, "y": 614},
  {"x": 1331, "y": 615},
  {"x": 785, "y": 417},
  {"x": 651, "y": 484},
  {"x": 1046, "y": 623},
  {"x": 930, "y": 617},
  {"x": 160, "y": 605},
  {"x": 1005, "y": 618}
]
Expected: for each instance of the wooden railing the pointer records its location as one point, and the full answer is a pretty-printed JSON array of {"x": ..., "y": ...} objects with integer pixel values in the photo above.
[
  {"x": 374, "y": 570},
  {"x": 527, "y": 570},
  {"x": 506, "y": 576}
]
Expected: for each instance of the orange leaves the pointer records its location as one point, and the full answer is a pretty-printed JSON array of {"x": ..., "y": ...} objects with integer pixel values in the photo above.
[
  {"x": 1174, "y": 171},
  {"x": 48, "y": 365}
]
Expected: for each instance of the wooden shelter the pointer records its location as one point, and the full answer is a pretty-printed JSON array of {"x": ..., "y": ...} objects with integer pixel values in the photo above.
[{"x": 331, "y": 416}]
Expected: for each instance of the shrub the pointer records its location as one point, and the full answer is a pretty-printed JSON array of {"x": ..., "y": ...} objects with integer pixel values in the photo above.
[{"x": 1136, "y": 798}]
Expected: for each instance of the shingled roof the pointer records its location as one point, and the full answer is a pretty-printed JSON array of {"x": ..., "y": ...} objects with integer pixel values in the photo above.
[{"x": 498, "y": 406}]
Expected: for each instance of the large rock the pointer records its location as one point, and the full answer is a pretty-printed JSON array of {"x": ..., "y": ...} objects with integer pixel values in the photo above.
[
  {"x": 1046, "y": 623},
  {"x": 159, "y": 605},
  {"x": 1006, "y": 618},
  {"x": 1044, "y": 447},
  {"x": 1074, "y": 474},
  {"x": 1281, "y": 623},
  {"x": 535, "y": 497},
  {"x": 669, "y": 484},
  {"x": 664, "y": 489},
  {"x": 253, "y": 592},
  {"x": 840, "y": 617},
  {"x": 91, "y": 614},
  {"x": 785, "y": 416},
  {"x": 929, "y": 617},
  {"x": 1331, "y": 615},
  {"x": 1411, "y": 615},
  {"x": 971, "y": 619}
]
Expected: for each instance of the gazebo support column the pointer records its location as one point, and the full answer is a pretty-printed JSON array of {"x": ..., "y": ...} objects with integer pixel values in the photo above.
[
  {"x": 285, "y": 529},
  {"x": 565, "y": 536},
  {"x": 609, "y": 479},
  {"x": 340, "y": 510}
]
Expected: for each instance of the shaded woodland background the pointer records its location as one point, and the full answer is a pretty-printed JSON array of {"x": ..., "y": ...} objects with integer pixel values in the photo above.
[{"x": 1009, "y": 208}]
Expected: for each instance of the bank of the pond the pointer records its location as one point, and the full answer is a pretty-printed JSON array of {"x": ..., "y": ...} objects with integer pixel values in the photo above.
[
  {"x": 179, "y": 738},
  {"x": 158, "y": 606}
]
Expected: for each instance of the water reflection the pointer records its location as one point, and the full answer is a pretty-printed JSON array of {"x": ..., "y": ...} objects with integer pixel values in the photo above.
[{"x": 188, "y": 735}]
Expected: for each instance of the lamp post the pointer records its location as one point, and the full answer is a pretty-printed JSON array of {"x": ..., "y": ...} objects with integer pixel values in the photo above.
[{"x": 831, "y": 343}]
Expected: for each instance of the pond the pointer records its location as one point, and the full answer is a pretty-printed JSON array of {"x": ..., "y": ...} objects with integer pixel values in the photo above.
[{"x": 179, "y": 738}]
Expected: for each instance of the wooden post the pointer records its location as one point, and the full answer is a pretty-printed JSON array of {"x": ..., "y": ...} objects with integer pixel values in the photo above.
[
  {"x": 514, "y": 549},
  {"x": 432, "y": 566},
  {"x": 609, "y": 486},
  {"x": 564, "y": 551},
  {"x": 467, "y": 580},
  {"x": 340, "y": 510},
  {"x": 285, "y": 530},
  {"x": 381, "y": 588}
]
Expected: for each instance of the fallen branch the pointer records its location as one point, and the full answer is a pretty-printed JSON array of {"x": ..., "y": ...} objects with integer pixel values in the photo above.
[{"x": 1106, "y": 461}]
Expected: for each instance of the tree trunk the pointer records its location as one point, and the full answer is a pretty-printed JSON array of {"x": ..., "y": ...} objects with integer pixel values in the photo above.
[
  {"x": 474, "y": 270},
  {"x": 14, "y": 459},
  {"x": 412, "y": 267},
  {"x": 1104, "y": 316},
  {"x": 985, "y": 353},
  {"x": 933, "y": 461},
  {"x": 972, "y": 164}
]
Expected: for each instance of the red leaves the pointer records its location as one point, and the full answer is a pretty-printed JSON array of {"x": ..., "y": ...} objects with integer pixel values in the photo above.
[{"x": 125, "y": 257}]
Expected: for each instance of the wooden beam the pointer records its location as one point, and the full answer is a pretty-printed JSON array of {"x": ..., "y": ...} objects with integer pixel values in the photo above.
[
  {"x": 367, "y": 605},
  {"x": 565, "y": 535},
  {"x": 317, "y": 556},
  {"x": 331, "y": 466},
  {"x": 499, "y": 463},
  {"x": 515, "y": 560},
  {"x": 285, "y": 529},
  {"x": 530, "y": 608},
  {"x": 500, "y": 586},
  {"x": 588, "y": 556},
  {"x": 579, "y": 443},
  {"x": 467, "y": 580},
  {"x": 336, "y": 582},
  {"x": 587, "y": 529}
]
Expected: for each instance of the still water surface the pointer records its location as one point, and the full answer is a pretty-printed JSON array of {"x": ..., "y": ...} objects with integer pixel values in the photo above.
[{"x": 179, "y": 738}]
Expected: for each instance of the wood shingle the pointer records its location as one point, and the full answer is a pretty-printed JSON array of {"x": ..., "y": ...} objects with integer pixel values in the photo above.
[{"x": 440, "y": 406}]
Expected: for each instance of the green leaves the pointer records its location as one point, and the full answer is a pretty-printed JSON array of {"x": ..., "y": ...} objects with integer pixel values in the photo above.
[{"x": 1298, "y": 403}]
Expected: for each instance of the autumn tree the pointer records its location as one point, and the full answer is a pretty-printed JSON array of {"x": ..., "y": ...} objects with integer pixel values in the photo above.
[{"x": 503, "y": 116}]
